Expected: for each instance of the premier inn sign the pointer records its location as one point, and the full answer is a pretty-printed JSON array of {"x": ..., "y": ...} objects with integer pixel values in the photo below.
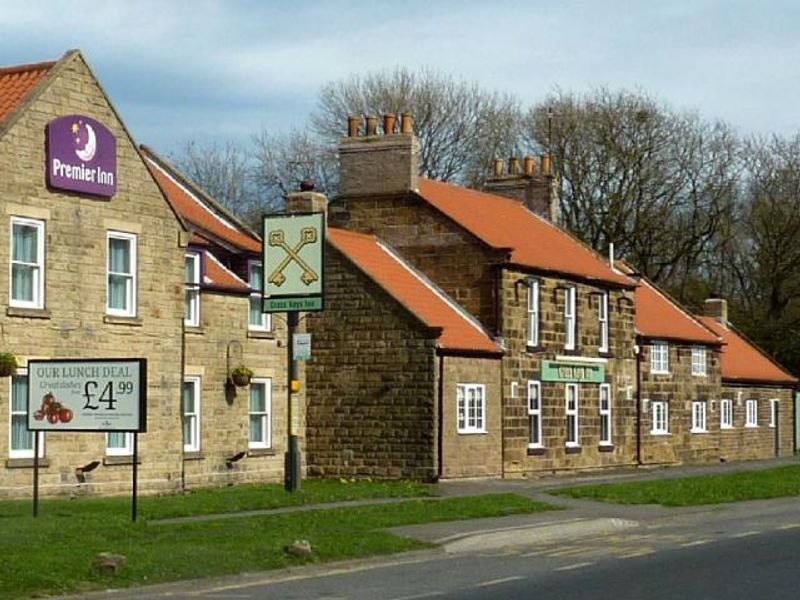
[
  {"x": 81, "y": 156},
  {"x": 554, "y": 370}
]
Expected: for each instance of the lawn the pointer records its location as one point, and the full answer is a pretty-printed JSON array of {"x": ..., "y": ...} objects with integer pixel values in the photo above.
[
  {"x": 52, "y": 554},
  {"x": 692, "y": 491}
]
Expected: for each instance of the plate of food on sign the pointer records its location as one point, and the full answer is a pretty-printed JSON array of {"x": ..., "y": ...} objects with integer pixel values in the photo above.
[{"x": 53, "y": 410}]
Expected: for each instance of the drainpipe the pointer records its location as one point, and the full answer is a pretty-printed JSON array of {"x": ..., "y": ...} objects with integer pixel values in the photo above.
[
  {"x": 638, "y": 402},
  {"x": 440, "y": 433}
]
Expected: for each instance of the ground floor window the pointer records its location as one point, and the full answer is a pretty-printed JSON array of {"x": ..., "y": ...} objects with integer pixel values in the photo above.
[
  {"x": 660, "y": 414},
  {"x": 535, "y": 413},
  {"x": 773, "y": 412},
  {"x": 191, "y": 414},
  {"x": 699, "y": 417},
  {"x": 751, "y": 413},
  {"x": 605, "y": 414},
  {"x": 471, "y": 407},
  {"x": 260, "y": 413},
  {"x": 572, "y": 414},
  {"x": 726, "y": 414},
  {"x": 119, "y": 443},
  {"x": 21, "y": 440}
]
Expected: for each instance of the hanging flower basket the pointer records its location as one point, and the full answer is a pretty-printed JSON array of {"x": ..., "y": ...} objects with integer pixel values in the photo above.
[
  {"x": 8, "y": 364},
  {"x": 241, "y": 376}
]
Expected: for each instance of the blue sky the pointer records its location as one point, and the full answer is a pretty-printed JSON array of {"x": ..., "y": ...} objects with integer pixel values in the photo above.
[{"x": 215, "y": 71}]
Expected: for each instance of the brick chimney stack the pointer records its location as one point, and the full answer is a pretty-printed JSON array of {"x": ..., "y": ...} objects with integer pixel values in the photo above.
[
  {"x": 717, "y": 308},
  {"x": 536, "y": 190},
  {"x": 379, "y": 162}
]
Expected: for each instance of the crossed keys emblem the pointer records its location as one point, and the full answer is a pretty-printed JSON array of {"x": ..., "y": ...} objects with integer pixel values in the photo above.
[{"x": 308, "y": 235}]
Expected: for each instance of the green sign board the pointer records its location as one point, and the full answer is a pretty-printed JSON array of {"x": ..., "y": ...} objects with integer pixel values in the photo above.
[
  {"x": 556, "y": 370},
  {"x": 293, "y": 262}
]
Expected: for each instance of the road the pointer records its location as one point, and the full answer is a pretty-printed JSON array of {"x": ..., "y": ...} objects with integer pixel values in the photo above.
[{"x": 745, "y": 551}]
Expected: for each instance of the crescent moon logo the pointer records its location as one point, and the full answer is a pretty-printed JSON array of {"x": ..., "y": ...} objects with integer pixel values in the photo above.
[{"x": 88, "y": 151}]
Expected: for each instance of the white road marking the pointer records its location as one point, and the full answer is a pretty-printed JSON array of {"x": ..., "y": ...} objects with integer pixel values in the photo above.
[
  {"x": 745, "y": 534},
  {"x": 696, "y": 543},
  {"x": 418, "y": 596},
  {"x": 790, "y": 526},
  {"x": 574, "y": 566},
  {"x": 642, "y": 552},
  {"x": 498, "y": 581}
]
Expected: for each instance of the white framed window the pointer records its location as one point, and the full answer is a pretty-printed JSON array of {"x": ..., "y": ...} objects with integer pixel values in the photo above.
[
  {"x": 698, "y": 360},
  {"x": 533, "y": 312},
  {"x": 605, "y": 414},
  {"x": 121, "y": 296},
  {"x": 773, "y": 412},
  {"x": 602, "y": 321},
  {"x": 21, "y": 442},
  {"x": 258, "y": 320},
  {"x": 751, "y": 413},
  {"x": 119, "y": 443},
  {"x": 699, "y": 423},
  {"x": 571, "y": 397},
  {"x": 726, "y": 414},
  {"x": 514, "y": 389},
  {"x": 535, "y": 413},
  {"x": 27, "y": 263},
  {"x": 569, "y": 318},
  {"x": 260, "y": 413},
  {"x": 659, "y": 357},
  {"x": 191, "y": 315},
  {"x": 191, "y": 414},
  {"x": 660, "y": 417},
  {"x": 471, "y": 407}
]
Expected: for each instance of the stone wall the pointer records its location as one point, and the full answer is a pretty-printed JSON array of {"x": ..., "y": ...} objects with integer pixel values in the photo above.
[
  {"x": 73, "y": 323},
  {"x": 523, "y": 363},
  {"x": 371, "y": 382},
  {"x": 750, "y": 443},
  {"x": 472, "y": 454}
]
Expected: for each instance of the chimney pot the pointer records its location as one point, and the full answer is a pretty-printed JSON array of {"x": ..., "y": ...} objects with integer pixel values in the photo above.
[
  {"x": 546, "y": 166},
  {"x": 513, "y": 166},
  {"x": 529, "y": 166},
  {"x": 406, "y": 123},
  {"x": 372, "y": 125},
  {"x": 498, "y": 167},
  {"x": 389, "y": 120},
  {"x": 307, "y": 185},
  {"x": 353, "y": 124}
]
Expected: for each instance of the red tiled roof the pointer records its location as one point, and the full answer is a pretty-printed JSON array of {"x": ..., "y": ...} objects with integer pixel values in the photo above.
[
  {"x": 743, "y": 361},
  {"x": 659, "y": 317},
  {"x": 217, "y": 275},
  {"x": 431, "y": 306},
  {"x": 17, "y": 82},
  {"x": 504, "y": 223},
  {"x": 193, "y": 209}
]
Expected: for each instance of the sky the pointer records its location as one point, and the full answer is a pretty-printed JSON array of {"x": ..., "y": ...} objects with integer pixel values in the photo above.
[{"x": 223, "y": 71}]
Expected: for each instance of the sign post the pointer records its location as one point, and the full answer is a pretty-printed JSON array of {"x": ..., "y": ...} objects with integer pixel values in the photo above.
[
  {"x": 106, "y": 395},
  {"x": 293, "y": 282}
]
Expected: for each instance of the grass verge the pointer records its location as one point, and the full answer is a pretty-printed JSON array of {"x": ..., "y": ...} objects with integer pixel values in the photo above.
[
  {"x": 52, "y": 554},
  {"x": 693, "y": 491}
]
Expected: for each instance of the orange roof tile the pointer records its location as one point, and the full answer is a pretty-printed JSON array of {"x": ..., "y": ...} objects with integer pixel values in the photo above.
[
  {"x": 659, "y": 317},
  {"x": 190, "y": 206},
  {"x": 17, "y": 82},
  {"x": 504, "y": 223},
  {"x": 742, "y": 360},
  {"x": 419, "y": 296},
  {"x": 215, "y": 274}
]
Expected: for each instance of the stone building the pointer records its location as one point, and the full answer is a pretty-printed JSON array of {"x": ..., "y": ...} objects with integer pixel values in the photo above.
[{"x": 101, "y": 264}]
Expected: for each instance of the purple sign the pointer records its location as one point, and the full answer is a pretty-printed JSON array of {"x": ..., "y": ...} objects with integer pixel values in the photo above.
[{"x": 81, "y": 156}]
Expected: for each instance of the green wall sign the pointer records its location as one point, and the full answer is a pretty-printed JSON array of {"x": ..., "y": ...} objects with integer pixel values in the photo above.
[
  {"x": 293, "y": 262},
  {"x": 554, "y": 370}
]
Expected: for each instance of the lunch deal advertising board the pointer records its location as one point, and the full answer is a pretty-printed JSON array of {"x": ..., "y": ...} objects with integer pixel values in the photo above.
[{"x": 87, "y": 395}]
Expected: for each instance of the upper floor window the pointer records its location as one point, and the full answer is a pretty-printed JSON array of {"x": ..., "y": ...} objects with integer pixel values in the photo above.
[
  {"x": 471, "y": 407},
  {"x": 659, "y": 357},
  {"x": 535, "y": 413},
  {"x": 605, "y": 414},
  {"x": 602, "y": 319},
  {"x": 21, "y": 442},
  {"x": 192, "y": 300},
  {"x": 27, "y": 263},
  {"x": 258, "y": 319},
  {"x": 569, "y": 318},
  {"x": 698, "y": 360},
  {"x": 121, "y": 298},
  {"x": 533, "y": 312}
]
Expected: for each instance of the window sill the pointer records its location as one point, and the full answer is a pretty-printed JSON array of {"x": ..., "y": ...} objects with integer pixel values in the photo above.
[
  {"x": 660, "y": 433},
  {"x": 751, "y": 426},
  {"x": 472, "y": 432},
  {"x": 116, "y": 320},
  {"x": 698, "y": 431},
  {"x": 257, "y": 334},
  {"x": 536, "y": 450},
  {"x": 575, "y": 449},
  {"x": 110, "y": 461},
  {"x": 193, "y": 329},
  {"x": 724, "y": 427},
  {"x": 193, "y": 455},
  {"x": 261, "y": 452},
  {"x": 26, "y": 463},
  {"x": 699, "y": 375},
  {"x": 28, "y": 313},
  {"x": 606, "y": 448},
  {"x": 659, "y": 373},
  {"x": 534, "y": 348}
]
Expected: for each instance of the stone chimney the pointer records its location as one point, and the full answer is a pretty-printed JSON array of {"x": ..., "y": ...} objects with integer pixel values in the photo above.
[
  {"x": 717, "y": 308},
  {"x": 535, "y": 188},
  {"x": 306, "y": 200},
  {"x": 376, "y": 162}
]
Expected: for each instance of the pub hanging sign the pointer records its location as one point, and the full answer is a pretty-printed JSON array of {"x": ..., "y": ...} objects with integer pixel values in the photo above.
[
  {"x": 81, "y": 156},
  {"x": 556, "y": 370}
]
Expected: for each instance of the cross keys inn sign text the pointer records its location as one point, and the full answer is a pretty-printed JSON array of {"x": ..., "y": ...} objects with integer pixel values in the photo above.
[{"x": 293, "y": 262}]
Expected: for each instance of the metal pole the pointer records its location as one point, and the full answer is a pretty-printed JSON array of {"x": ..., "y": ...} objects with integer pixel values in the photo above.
[
  {"x": 135, "y": 474},
  {"x": 36, "y": 474},
  {"x": 292, "y": 458}
]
